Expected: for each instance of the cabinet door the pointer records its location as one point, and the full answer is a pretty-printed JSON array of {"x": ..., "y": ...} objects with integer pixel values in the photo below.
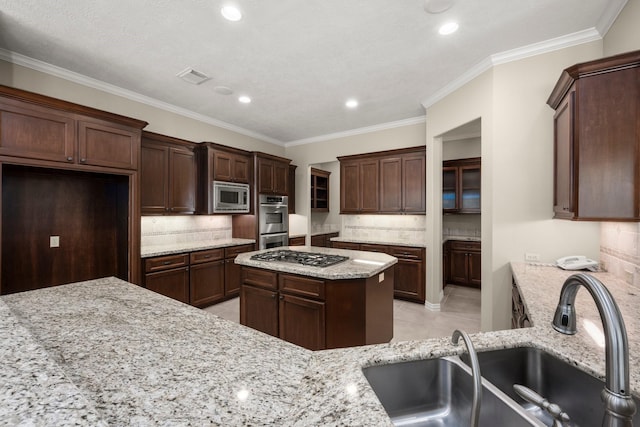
[
  {"x": 469, "y": 195},
  {"x": 302, "y": 321},
  {"x": 280, "y": 178},
  {"x": 222, "y": 166},
  {"x": 349, "y": 187},
  {"x": 369, "y": 186},
  {"x": 475, "y": 273},
  {"x": 154, "y": 169},
  {"x": 207, "y": 283},
  {"x": 240, "y": 169},
  {"x": 413, "y": 184},
  {"x": 171, "y": 283},
  {"x": 232, "y": 277},
  {"x": 36, "y": 134},
  {"x": 107, "y": 145},
  {"x": 458, "y": 267},
  {"x": 319, "y": 240},
  {"x": 391, "y": 184},
  {"x": 563, "y": 195},
  {"x": 292, "y": 189},
  {"x": 259, "y": 309},
  {"x": 449, "y": 188},
  {"x": 182, "y": 181},
  {"x": 346, "y": 245},
  {"x": 409, "y": 280},
  {"x": 265, "y": 176}
]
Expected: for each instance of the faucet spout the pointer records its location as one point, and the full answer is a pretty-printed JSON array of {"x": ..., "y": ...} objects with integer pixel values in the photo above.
[
  {"x": 619, "y": 406},
  {"x": 475, "y": 372}
]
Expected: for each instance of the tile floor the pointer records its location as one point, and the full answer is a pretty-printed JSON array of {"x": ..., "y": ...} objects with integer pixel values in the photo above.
[{"x": 460, "y": 309}]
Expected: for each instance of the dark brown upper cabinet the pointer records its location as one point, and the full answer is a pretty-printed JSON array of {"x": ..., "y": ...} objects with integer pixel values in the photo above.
[
  {"x": 597, "y": 140},
  {"x": 319, "y": 190},
  {"x": 273, "y": 174},
  {"x": 387, "y": 182},
  {"x": 167, "y": 175},
  {"x": 292, "y": 189},
  {"x": 220, "y": 163},
  {"x": 461, "y": 181}
]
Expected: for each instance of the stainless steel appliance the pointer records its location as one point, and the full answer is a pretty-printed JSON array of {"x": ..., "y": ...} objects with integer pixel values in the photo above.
[
  {"x": 229, "y": 197},
  {"x": 273, "y": 216},
  {"x": 297, "y": 257}
]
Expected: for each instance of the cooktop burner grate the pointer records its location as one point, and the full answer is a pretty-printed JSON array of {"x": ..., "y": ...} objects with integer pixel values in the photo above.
[{"x": 303, "y": 258}]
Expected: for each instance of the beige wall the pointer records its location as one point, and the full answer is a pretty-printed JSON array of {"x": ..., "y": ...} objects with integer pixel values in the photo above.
[
  {"x": 160, "y": 121},
  {"x": 624, "y": 34}
]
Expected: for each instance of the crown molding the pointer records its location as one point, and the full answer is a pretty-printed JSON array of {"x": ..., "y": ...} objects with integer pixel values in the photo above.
[
  {"x": 44, "y": 67},
  {"x": 358, "y": 131},
  {"x": 573, "y": 39}
]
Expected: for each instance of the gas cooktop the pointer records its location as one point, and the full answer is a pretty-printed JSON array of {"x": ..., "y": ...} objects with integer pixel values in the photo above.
[{"x": 303, "y": 258}]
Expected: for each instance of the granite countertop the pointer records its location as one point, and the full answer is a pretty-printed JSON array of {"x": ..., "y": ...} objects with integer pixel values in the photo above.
[
  {"x": 108, "y": 352},
  {"x": 462, "y": 238},
  {"x": 177, "y": 248},
  {"x": 379, "y": 242},
  {"x": 359, "y": 265},
  {"x": 319, "y": 232}
]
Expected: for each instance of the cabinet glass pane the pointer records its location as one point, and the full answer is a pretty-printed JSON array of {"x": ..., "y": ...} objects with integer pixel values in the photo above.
[
  {"x": 470, "y": 199},
  {"x": 470, "y": 178},
  {"x": 448, "y": 199},
  {"x": 449, "y": 179}
]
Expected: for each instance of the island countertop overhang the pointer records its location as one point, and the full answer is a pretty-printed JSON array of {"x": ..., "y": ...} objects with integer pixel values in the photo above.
[{"x": 361, "y": 264}]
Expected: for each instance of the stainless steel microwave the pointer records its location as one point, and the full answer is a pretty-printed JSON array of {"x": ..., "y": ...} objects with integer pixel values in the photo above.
[{"x": 229, "y": 197}]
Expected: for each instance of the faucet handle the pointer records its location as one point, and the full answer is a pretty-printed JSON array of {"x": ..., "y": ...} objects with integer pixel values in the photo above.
[{"x": 559, "y": 416}]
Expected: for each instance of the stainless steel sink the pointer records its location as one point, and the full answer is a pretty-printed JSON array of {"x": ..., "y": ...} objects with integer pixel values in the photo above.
[
  {"x": 438, "y": 392},
  {"x": 575, "y": 391}
]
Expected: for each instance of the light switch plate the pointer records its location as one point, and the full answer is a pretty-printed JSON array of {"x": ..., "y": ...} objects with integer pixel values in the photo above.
[{"x": 54, "y": 241}]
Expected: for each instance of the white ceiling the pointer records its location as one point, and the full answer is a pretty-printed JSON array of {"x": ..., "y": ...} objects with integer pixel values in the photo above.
[{"x": 298, "y": 60}]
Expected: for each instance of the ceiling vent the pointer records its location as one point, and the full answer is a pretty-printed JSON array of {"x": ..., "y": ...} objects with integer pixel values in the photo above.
[{"x": 192, "y": 76}]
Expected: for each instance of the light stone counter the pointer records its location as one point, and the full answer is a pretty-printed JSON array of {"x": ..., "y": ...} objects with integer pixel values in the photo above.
[
  {"x": 380, "y": 242},
  {"x": 177, "y": 248},
  {"x": 359, "y": 265},
  {"x": 143, "y": 359}
]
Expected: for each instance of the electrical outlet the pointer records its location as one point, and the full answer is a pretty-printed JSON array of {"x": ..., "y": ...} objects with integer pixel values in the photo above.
[
  {"x": 54, "y": 241},
  {"x": 531, "y": 257}
]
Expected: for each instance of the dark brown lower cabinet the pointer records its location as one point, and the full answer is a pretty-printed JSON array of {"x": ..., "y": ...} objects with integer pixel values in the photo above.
[
  {"x": 210, "y": 276},
  {"x": 519, "y": 313},
  {"x": 465, "y": 263},
  {"x": 171, "y": 283},
  {"x": 323, "y": 240},
  {"x": 302, "y": 321},
  {"x": 297, "y": 241},
  {"x": 410, "y": 273},
  {"x": 206, "y": 282},
  {"x": 318, "y": 314}
]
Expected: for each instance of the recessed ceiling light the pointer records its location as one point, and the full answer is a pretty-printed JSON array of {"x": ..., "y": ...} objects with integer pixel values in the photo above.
[
  {"x": 231, "y": 13},
  {"x": 448, "y": 28},
  {"x": 351, "y": 103},
  {"x": 437, "y": 6},
  {"x": 244, "y": 99}
]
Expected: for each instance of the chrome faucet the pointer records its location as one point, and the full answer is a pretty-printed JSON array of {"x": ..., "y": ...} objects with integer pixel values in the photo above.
[
  {"x": 475, "y": 372},
  {"x": 619, "y": 406}
]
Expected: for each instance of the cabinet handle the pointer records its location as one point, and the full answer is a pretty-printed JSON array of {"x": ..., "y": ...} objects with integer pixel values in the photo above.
[
  {"x": 281, "y": 297},
  {"x": 166, "y": 263},
  {"x": 83, "y": 160},
  {"x": 69, "y": 159},
  {"x": 207, "y": 256},
  {"x": 274, "y": 296}
]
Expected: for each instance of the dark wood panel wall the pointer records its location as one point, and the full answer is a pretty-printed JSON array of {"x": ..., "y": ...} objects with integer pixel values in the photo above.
[{"x": 89, "y": 212}]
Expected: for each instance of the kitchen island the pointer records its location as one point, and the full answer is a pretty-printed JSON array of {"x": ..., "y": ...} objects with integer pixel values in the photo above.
[
  {"x": 318, "y": 298},
  {"x": 106, "y": 352}
]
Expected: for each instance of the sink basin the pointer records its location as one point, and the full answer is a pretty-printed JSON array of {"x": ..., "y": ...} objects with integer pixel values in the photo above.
[
  {"x": 577, "y": 392},
  {"x": 438, "y": 392}
]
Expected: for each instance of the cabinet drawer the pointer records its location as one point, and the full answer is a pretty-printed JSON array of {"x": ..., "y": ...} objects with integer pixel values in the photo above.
[
  {"x": 346, "y": 245},
  {"x": 464, "y": 246},
  {"x": 165, "y": 262},
  {"x": 405, "y": 252},
  {"x": 373, "y": 248},
  {"x": 206, "y": 256},
  {"x": 258, "y": 277},
  {"x": 302, "y": 286},
  {"x": 297, "y": 241},
  {"x": 233, "y": 251}
]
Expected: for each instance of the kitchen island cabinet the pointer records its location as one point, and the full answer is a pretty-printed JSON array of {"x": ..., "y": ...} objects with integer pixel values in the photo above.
[
  {"x": 100, "y": 362},
  {"x": 343, "y": 305}
]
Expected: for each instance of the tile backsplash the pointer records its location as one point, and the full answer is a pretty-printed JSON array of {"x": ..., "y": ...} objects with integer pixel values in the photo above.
[
  {"x": 168, "y": 230},
  {"x": 620, "y": 250},
  {"x": 385, "y": 228}
]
